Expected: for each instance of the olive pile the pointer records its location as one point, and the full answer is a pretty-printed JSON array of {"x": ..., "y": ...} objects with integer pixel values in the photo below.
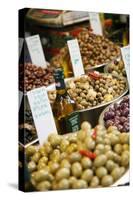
[
  {"x": 118, "y": 115},
  {"x": 89, "y": 158},
  {"x": 117, "y": 68},
  {"x": 32, "y": 76},
  {"x": 96, "y": 49}
]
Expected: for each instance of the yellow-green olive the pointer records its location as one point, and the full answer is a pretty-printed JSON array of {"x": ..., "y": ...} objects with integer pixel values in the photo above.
[
  {"x": 107, "y": 180},
  {"x": 110, "y": 165},
  {"x": 118, "y": 148},
  {"x": 94, "y": 181},
  {"x": 124, "y": 138},
  {"x": 81, "y": 135},
  {"x": 76, "y": 169},
  {"x": 63, "y": 184},
  {"x": 72, "y": 180},
  {"x": 41, "y": 175},
  {"x": 54, "y": 140},
  {"x": 43, "y": 186},
  {"x": 31, "y": 166},
  {"x": 86, "y": 162},
  {"x": 48, "y": 147},
  {"x": 54, "y": 166},
  {"x": 80, "y": 184},
  {"x": 116, "y": 173},
  {"x": 87, "y": 175},
  {"x": 41, "y": 165},
  {"x": 101, "y": 171},
  {"x": 65, "y": 164},
  {"x": 36, "y": 157},
  {"x": 42, "y": 151},
  {"x": 64, "y": 144},
  {"x": 75, "y": 156},
  {"x": 43, "y": 159},
  {"x": 100, "y": 160},
  {"x": 30, "y": 150},
  {"x": 90, "y": 143},
  {"x": 100, "y": 147},
  {"x": 125, "y": 159},
  {"x": 125, "y": 147},
  {"x": 85, "y": 126},
  {"x": 62, "y": 173}
]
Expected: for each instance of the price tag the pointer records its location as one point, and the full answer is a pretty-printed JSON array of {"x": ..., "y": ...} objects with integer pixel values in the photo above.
[
  {"x": 20, "y": 98},
  {"x": 126, "y": 59},
  {"x": 42, "y": 113},
  {"x": 36, "y": 51},
  {"x": 95, "y": 23},
  {"x": 76, "y": 59},
  {"x": 21, "y": 42}
]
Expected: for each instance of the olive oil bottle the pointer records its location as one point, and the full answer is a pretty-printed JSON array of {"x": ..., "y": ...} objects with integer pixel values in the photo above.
[{"x": 66, "y": 119}]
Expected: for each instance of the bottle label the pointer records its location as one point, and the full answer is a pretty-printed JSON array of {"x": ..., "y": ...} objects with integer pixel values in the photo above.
[{"x": 73, "y": 122}]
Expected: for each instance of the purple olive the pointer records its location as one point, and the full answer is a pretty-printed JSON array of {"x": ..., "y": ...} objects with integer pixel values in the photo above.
[
  {"x": 123, "y": 119},
  {"x": 120, "y": 127},
  {"x": 109, "y": 123}
]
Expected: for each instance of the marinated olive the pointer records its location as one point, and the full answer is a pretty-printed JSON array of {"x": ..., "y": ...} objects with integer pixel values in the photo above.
[
  {"x": 101, "y": 171},
  {"x": 110, "y": 165},
  {"x": 94, "y": 181},
  {"x": 63, "y": 184},
  {"x": 86, "y": 162},
  {"x": 65, "y": 164},
  {"x": 54, "y": 140},
  {"x": 62, "y": 173},
  {"x": 75, "y": 156},
  {"x": 76, "y": 169},
  {"x": 100, "y": 160},
  {"x": 30, "y": 150},
  {"x": 107, "y": 180},
  {"x": 79, "y": 184},
  {"x": 43, "y": 186},
  {"x": 87, "y": 175},
  {"x": 31, "y": 166},
  {"x": 36, "y": 157}
]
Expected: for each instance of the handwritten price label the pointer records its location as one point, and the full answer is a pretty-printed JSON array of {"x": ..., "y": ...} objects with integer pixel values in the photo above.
[{"x": 95, "y": 23}]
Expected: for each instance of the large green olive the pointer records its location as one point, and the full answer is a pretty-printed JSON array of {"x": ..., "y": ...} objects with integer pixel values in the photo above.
[
  {"x": 76, "y": 169},
  {"x": 116, "y": 173},
  {"x": 64, "y": 144},
  {"x": 110, "y": 165},
  {"x": 80, "y": 184},
  {"x": 65, "y": 164},
  {"x": 48, "y": 147},
  {"x": 125, "y": 147},
  {"x": 54, "y": 140},
  {"x": 62, "y": 173},
  {"x": 36, "y": 157},
  {"x": 54, "y": 166},
  {"x": 72, "y": 180},
  {"x": 90, "y": 143},
  {"x": 75, "y": 157},
  {"x": 94, "y": 181},
  {"x": 101, "y": 171},
  {"x": 43, "y": 159},
  {"x": 41, "y": 165},
  {"x": 85, "y": 126},
  {"x": 100, "y": 147},
  {"x": 100, "y": 160},
  {"x": 87, "y": 175},
  {"x": 124, "y": 138},
  {"x": 43, "y": 186},
  {"x": 41, "y": 175},
  {"x": 86, "y": 162},
  {"x": 81, "y": 135},
  {"x": 118, "y": 148},
  {"x": 31, "y": 166},
  {"x": 107, "y": 180},
  {"x": 63, "y": 184},
  {"x": 30, "y": 150},
  {"x": 125, "y": 159}
]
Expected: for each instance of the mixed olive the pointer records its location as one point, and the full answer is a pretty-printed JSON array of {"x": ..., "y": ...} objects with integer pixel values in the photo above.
[
  {"x": 117, "y": 68},
  {"x": 89, "y": 158}
]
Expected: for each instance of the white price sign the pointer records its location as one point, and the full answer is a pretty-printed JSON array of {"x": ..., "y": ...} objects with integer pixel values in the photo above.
[
  {"x": 42, "y": 113},
  {"x": 95, "y": 23},
  {"x": 21, "y": 42},
  {"x": 126, "y": 59},
  {"x": 75, "y": 55},
  {"x": 36, "y": 50}
]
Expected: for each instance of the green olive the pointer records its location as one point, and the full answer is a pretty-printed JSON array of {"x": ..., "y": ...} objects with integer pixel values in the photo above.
[
  {"x": 107, "y": 180},
  {"x": 113, "y": 139},
  {"x": 116, "y": 173},
  {"x": 43, "y": 186},
  {"x": 86, "y": 162},
  {"x": 76, "y": 169},
  {"x": 41, "y": 175},
  {"x": 80, "y": 184},
  {"x": 85, "y": 126},
  {"x": 101, "y": 171},
  {"x": 81, "y": 135},
  {"x": 31, "y": 166},
  {"x": 54, "y": 166},
  {"x": 87, "y": 175},
  {"x": 94, "y": 181},
  {"x": 110, "y": 165},
  {"x": 75, "y": 156},
  {"x": 41, "y": 165},
  {"x": 36, "y": 157},
  {"x": 48, "y": 148},
  {"x": 125, "y": 159},
  {"x": 110, "y": 155},
  {"x": 125, "y": 147},
  {"x": 30, "y": 150},
  {"x": 62, "y": 173},
  {"x": 107, "y": 148},
  {"x": 65, "y": 164},
  {"x": 72, "y": 180},
  {"x": 54, "y": 140},
  {"x": 63, "y": 184},
  {"x": 90, "y": 143},
  {"x": 42, "y": 151},
  {"x": 100, "y": 147},
  {"x": 64, "y": 144},
  {"x": 100, "y": 160},
  {"x": 43, "y": 159},
  {"x": 124, "y": 138}
]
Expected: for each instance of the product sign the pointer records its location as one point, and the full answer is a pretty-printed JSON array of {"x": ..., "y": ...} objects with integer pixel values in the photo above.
[
  {"x": 21, "y": 42},
  {"x": 95, "y": 23},
  {"x": 20, "y": 98},
  {"x": 42, "y": 113},
  {"x": 36, "y": 51},
  {"x": 126, "y": 59},
  {"x": 73, "y": 122},
  {"x": 75, "y": 55}
]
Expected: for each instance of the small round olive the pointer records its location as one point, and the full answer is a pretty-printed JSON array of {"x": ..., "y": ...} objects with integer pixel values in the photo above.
[
  {"x": 75, "y": 157},
  {"x": 65, "y": 164},
  {"x": 107, "y": 180},
  {"x": 86, "y": 162},
  {"x": 99, "y": 140},
  {"x": 42, "y": 151},
  {"x": 80, "y": 184},
  {"x": 64, "y": 144},
  {"x": 90, "y": 143},
  {"x": 116, "y": 173},
  {"x": 113, "y": 139},
  {"x": 100, "y": 160},
  {"x": 62, "y": 173},
  {"x": 101, "y": 171},
  {"x": 30, "y": 150},
  {"x": 54, "y": 166},
  {"x": 31, "y": 166},
  {"x": 76, "y": 169},
  {"x": 118, "y": 148},
  {"x": 110, "y": 165},
  {"x": 63, "y": 155},
  {"x": 36, "y": 157},
  {"x": 55, "y": 155},
  {"x": 54, "y": 140},
  {"x": 94, "y": 181},
  {"x": 124, "y": 138},
  {"x": 43, "y": 186},
  {"x": 63, "y": 184},
  {"x": 87, "y": 175},
  {"x": 86, "y": 126},
  {"x": 117, "y": 158}
]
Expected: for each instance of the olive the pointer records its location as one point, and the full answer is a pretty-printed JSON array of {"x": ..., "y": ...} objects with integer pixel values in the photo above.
[
  {"x": 81, "y": 135},
  {"x": 118, "y": 148},
  {"x": 64, "y": 144},
  {"x": 31, "y": 166},
  {"x": 110, "y": 165},
  {"x": 125, "y": 147},
  {"x": 54, "y": 166},
  {"x": 43, "y": 186},
  {"x": 90, "y": 143},
  {"x": 43, "y": 159},
  {"x": 113, "y": 139},
  {"x": 41, "y": 165},
  {"x": 48, "y": 147},
  {"x": 63, "y": 184},
  {"x": 55, "y": 156},
  {"x": 75, "y": 156},
  {"x": 72, "y": 180},
  {"x": 100, "y": 147},
  {"x": 94, "y": 181},
  {"x": 124, "y": 138},
  {"x": 72, "y": 138},
  {"x": 111, "y": 129},
  {"x": 30, "y": 150},
  {"x": 116, "y": 173},
  {"x": 85, "y": 126},
  {"x": 63, "y": 155},
  {"x": 86, "y": 162},
  {"x": 42, "y": 151},
  {"x": 101, "y": 171},
  {"x": 107, "y": 180},
  {"x": 124, "y": 159},
  {"x": 87, "y": 175},
  {"x": 110, "y": 155},
  {"x": 54, "y": 140},
  {"x": 76, "y": 169},
  {"x": 100, "y": 160},
  {"x": 62, "y": 173},
  {"x": 36, "y": 157},
  {"x": 65, "y": 164},
  {"x": 41, "y": 175},
  {"x": 107, "y": 148},
  {"x": 79, "y": 184}
]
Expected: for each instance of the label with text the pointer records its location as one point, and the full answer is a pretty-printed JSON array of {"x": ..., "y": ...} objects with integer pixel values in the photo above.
[
  {"x": 95, "y": 23},
  {"x": 126, "y": 59}
]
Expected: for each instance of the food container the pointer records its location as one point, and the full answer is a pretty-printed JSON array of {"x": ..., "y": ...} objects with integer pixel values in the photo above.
[{"x": 101, "y": 120}]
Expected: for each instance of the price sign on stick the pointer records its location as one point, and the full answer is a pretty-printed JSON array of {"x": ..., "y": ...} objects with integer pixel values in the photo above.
[
  {"x": 42, "y": 113},
  {"x": 36, "y": 50},
  {"x": 126, "y": 59},
  {"x": 21, "y": 42},
  {"x": 75, "y": 55},
  {"x": 95, "y": 23}
]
